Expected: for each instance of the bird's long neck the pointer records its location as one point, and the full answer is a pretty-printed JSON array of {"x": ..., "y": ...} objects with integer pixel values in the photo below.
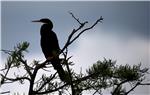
[{"x": 45, "y": 30}]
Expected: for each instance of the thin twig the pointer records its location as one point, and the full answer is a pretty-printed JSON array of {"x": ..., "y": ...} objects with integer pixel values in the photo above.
[
  {"x": 75, "y": 18},
  {"x": 15, "y": 79},
  {"x": 6, "y": 92}
]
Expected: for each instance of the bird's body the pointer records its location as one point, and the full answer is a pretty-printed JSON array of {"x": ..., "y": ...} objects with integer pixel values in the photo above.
[
  {"x": 50, "y": 46},
  {"x": 49, "y": 41}
]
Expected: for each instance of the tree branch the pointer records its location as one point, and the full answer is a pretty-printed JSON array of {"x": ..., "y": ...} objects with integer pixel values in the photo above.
[
  {"x": 132, "y": 88},
  {"x": 50, "y": 91},
  {"x": 41, "y": 87},
  {"x": 15, "y": 79},
  {"x": 69, "y": 41},
  {"x": 70, "y": 75},
  {"x": 76, "y": 19},
  {"x": 137, "y": 84},
  {"x": 27, "y": 67},
  {"x": 6, "y": 92},
  {"x": 118, "y": 85},
  {"x": 99, "y": 20}
]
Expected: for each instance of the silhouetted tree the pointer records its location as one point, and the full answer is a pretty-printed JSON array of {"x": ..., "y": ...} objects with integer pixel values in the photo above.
[{"x": 100, "y": 76}]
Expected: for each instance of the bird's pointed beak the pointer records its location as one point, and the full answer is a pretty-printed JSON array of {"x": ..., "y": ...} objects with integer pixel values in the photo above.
[{"x": 36, "y": 21}]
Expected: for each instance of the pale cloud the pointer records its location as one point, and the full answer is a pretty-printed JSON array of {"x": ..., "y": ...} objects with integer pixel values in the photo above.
[{"x": 95, "y": 46}]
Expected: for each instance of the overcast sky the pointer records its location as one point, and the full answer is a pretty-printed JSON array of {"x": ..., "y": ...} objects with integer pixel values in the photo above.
[{"x": 123, "y": 35}]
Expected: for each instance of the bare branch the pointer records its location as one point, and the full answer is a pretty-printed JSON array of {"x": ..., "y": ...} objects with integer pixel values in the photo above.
[
  {"x": 70, "y": 76},
  {"x": 6, "y": 92},
  {"x": 50, "y": 91},
  {"x": 137, "y": 84},
  {"x": 77, "y": 19},
  {"x": 132, "y": 88},
  {"x": 144, "y": 84},
  {"x": 99, "y": 20},
  {"x": 7, "y": 51},
  {"x": 69, "y": 41},
  {"x": 27, "y": 67},
  {"x": 15, "y": 79},
  {"x": 70, "y": 37}
]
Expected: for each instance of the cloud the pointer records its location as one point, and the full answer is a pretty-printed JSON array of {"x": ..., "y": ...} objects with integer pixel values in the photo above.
[{"x": 94, "y": 46}]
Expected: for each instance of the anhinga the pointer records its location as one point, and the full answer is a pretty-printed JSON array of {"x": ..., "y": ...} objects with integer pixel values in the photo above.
[{"x": 50, "y": 46}]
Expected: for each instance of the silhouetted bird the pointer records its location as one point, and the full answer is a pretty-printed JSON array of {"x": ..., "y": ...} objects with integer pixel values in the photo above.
[{"x": 50, "y": 46}]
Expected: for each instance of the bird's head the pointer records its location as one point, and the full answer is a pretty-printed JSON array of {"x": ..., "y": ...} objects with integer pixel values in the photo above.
[{"x": 44, "y": 21}]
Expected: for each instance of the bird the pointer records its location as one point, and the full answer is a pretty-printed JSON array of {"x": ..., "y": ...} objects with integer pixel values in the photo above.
[{"x": 50, "y": 46}]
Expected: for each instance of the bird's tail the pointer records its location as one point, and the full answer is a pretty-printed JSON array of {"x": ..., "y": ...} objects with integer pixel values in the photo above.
[{"x": 57, "y": 66}]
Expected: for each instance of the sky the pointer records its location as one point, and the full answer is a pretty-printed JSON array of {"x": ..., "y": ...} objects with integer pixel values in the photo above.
[{"x": 123, "y": 36}]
